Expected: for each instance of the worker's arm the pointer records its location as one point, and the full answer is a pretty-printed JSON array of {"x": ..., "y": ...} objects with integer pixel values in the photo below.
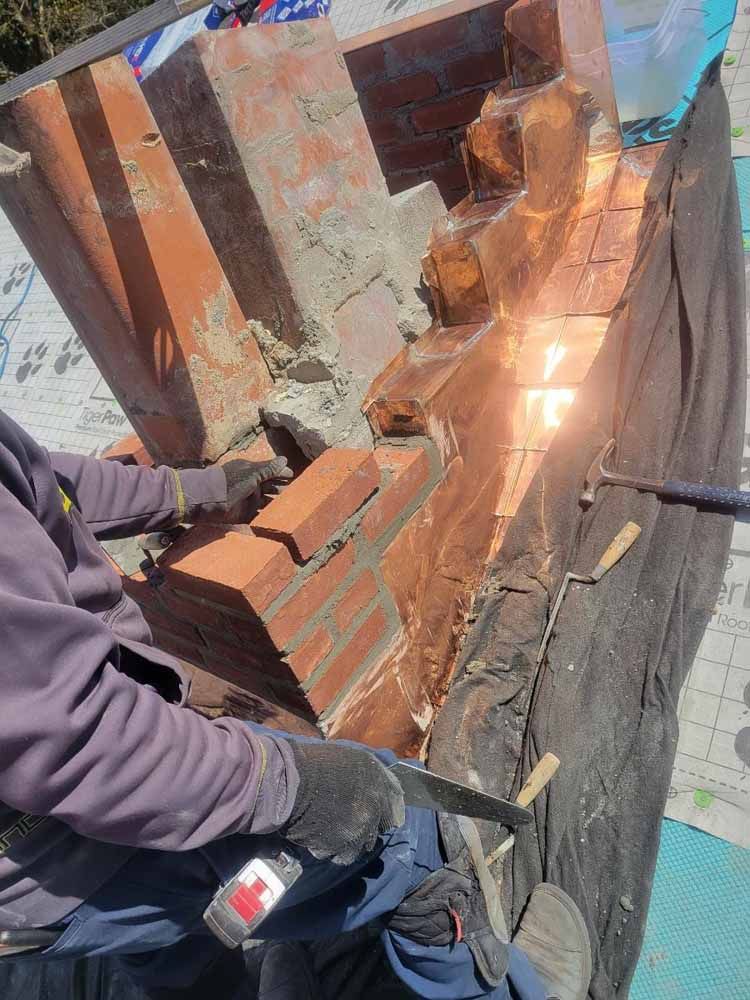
[
  {"x": 84, "y": 743},
  {"x": 119, "y": 501}
]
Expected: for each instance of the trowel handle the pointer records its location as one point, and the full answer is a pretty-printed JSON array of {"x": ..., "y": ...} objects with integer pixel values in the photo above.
[
  {"x": 616, "y": 550},
  {"x": 542, "y": 774}
]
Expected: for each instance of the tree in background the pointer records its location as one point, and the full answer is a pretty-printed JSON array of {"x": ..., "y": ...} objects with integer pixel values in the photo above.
[{"x": 32, "y": 31}]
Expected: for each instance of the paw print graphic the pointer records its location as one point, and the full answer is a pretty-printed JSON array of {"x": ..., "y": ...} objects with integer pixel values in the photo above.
[
  {"x": 71, "y": 355},
  {"x": 16, "y": 277},
  {"x": 32, "y": 362}
]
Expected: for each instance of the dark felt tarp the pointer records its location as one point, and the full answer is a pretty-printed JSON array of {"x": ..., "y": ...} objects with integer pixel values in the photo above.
[{"x": 669, "y": 385}]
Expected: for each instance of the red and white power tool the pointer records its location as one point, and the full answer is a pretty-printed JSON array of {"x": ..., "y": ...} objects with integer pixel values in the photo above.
[{"x": 241, "y": 906}]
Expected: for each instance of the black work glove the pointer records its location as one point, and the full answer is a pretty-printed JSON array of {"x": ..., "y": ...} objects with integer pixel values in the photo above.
[
  {"x": 251, "y": 485},
  {"x": 346, "y": 798}
]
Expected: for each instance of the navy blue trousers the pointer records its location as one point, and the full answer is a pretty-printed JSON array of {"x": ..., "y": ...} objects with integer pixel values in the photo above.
[{"x": 149, "y": 914}]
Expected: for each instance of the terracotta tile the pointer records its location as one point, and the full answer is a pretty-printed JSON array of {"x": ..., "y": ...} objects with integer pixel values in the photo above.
[
  {"x": 632, "y": 176},
  {"x": 618, "y": 235},
  {"x": 537, "y": 356},
  {"x": 601, "y": 287},
  {"x": 580, "y": 242},
  {"x": 557, "y": 293},
  {"x": 555, "y": 403},
  {"x": 579, "y": 344}
]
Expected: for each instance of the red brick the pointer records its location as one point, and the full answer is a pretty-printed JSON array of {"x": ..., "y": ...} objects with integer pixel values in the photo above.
[
  {"x": 246, "y": 656},
  {"x": 386, "y": 130},
  {"x": 365, "y": 63},
  {"x": 178, "y": 646},
  {"x": 402, "y": 182},
  {"x": 447, "y": 114},
  {"x": 322, "y": 694},
  {"x": 137, "y": 586},
  {"x": 311, "y": 653},
  {"x": 404, "y": 90},
  {"x": 477, "y": 67},
  {"x": 316, "y": 504},
  {"x": 242, "y": 572},
  {"x": 431, "y": 40},
  {"x": 410, "y": 470},
  {"x": 192, "y": 610},
  {"x": 129, "y": 450},
  {"x": 297, "y": 612},
  {"x": 165, "y": 623},
  {"x": 422, "y": 153},
  {"x": 493, "y": 15},
  {"x": 355, "y": 600},
  {"x": 449, "y": 177}
]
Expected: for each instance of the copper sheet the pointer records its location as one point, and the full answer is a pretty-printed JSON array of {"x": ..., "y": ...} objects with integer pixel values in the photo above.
[
  {"x": 494, "y": 156},
  {"x": 532, "y": 40},
  {"x": 538, "y": 339},
  {"x": 577, "y": 347},
  {"x": 557, "y": 294},
  {"x": 633, "y": 173},
  {"x": 601, "y": 286},
  {"x": 580, "y": 242},
  {"x": 618, "y": 235}
]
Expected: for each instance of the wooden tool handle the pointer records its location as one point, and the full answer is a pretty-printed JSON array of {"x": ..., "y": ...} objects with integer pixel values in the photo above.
[
  {"x": 538, "y": 779},
  {"x": 616, "y": 550}
]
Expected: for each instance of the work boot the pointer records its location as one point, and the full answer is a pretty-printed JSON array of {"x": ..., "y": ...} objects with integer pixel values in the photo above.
[
  {"x": 458, "y": 902},
  {"x": 287, "y": 973},
  {"x": 554, "y": 938}
]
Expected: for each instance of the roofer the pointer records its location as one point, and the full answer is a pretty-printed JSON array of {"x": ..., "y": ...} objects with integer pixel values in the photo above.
[{"x": 122, "y": 811}]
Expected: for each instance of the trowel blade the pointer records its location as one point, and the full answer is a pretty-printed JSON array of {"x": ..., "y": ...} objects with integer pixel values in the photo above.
[{"x": 430, "y": 791}]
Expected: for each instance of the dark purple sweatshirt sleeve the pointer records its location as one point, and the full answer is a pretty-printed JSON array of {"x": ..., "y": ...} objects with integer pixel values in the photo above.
[
  {"x": 119, "y": 501},
  {"x": 83, "y": 743}
]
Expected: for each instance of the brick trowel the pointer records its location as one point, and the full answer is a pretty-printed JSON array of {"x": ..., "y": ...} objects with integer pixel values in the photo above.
[{"x": 430, "y": 791}]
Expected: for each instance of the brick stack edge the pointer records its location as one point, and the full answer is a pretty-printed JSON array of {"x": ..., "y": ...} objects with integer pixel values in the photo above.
[
  {"x": 294, "y": 609},
  {"x": 420, "y": 82}
]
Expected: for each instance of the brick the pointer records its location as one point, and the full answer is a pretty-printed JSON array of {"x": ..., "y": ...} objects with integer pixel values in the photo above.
[
  {"x": 137, "y": 586},
  {"x": 449, "y": 177},
  {"x": 422, "y": 153},
  {"x": 311, "y": 596},
  {"x": 410, "y": 470},
  {"x": 386, "y": 130},
  {"x": 129, "y": 450},
  {"x": 311, "y": 653},
  {"x": 454, "y": 111},
  {"x": 355, "y": 600},
  {"x": 314, "y": 506},
  {"x": 323, "y": 693},
  {"x": 363, "y": 64},
  {"x": 492, "y": 16},
  {"x": 403, "y": 90},
  {"x": 432, "y": 40},
  {"x": 192, "y": 610},
  {"x": 241, "y": 572},
  {"x": 477, "y": 67},
  {"x": 178, "y": 646},
  {"x": 402, "y": 182},
  {"x": 246, "y": 656},
  {"x": 165, "y": 623}
]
